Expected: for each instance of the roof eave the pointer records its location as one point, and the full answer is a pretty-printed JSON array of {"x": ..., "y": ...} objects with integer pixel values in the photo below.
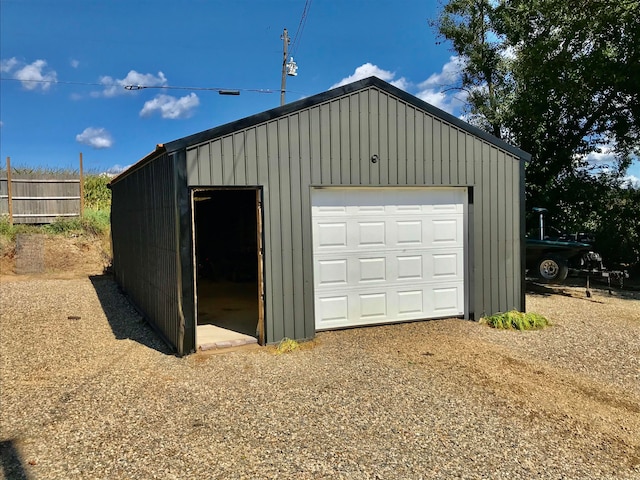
[
  {"x": 159, "y": 150},
  {"x": 323, "y": 97}
]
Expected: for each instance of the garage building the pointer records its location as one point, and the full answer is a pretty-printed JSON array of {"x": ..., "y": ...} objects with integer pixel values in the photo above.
[{"x": 358, "y": 206}]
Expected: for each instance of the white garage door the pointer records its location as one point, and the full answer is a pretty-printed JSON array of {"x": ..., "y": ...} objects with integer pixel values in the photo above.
[{"x": 387, "y": 254}]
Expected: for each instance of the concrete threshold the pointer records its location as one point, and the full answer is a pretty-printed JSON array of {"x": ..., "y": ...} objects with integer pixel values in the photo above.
[{"x": 211, "y": 337}]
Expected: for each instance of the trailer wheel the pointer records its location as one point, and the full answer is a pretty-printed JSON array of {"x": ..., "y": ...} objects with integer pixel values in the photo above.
[{"x": 551, "y": 268}]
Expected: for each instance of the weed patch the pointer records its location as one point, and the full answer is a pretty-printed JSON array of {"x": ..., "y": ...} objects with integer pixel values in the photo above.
[
  {"x": 515, "y": 320},
  {"x": 287, "y": 345}
]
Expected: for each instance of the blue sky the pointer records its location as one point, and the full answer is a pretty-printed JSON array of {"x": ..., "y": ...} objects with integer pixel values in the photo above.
[{"x": 72, "y": 58}]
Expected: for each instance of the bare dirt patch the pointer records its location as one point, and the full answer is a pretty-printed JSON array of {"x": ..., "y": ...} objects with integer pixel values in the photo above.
[{"x": 63, "y": 257}]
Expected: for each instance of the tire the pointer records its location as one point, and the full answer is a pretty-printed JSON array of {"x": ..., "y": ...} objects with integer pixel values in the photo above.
[{"x": 551, "y": 268}]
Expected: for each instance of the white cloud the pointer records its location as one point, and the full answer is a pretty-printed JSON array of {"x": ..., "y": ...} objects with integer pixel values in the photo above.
[
  {"x": 449, "y": 75},
  {"x": 115, "y": 86},
  {"x": 171, "y": 107},
  {"x": 74, "y": 63},
  {"x": 95, "y": 137},
  {"x": 631, "y": 181},
  {"x": 604, "y": 156},
  {"x": 370, "y": 70},
  {"x": 433, "y": 89},
  {"x": 33, "y": 76},
  {"x": 7, "y": 65},
  {"x": 116, "y": 170}
]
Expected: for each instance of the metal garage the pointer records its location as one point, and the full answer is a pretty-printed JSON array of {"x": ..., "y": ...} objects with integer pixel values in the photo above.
[{"x": 358, "y": 206}]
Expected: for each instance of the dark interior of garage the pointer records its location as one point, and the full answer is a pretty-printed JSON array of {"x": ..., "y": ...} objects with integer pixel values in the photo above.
[{"x": 226, "y": 244}]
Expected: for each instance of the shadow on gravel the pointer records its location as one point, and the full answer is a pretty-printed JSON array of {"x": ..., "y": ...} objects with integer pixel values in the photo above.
[
  {"x": 576, "y": 288},
  {"x": 11, "y": 462},
  {"x": 123, "y": 318},
  {"x": 546, "y": 290}
]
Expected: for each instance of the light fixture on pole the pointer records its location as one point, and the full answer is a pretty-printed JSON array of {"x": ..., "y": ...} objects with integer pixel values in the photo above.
[{"x": 289, "y": 68}]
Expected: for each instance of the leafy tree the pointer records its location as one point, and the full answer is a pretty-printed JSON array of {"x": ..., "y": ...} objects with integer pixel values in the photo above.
[
  {"x": 575, "y": 92},
  {"x": 485, "y": 79},
  {"x": 560, "y": 80}
]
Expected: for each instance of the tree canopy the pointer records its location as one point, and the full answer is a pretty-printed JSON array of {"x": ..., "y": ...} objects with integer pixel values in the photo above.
[{"x": 560, "y": 80}]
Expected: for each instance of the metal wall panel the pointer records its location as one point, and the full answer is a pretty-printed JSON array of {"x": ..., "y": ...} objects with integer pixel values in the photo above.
[
  {"x": 146, "y": 245},
  {"x": 332, "y": 143}
]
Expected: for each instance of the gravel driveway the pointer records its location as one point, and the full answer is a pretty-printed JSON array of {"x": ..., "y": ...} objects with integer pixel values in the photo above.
[{"x": 98, "y": 396}]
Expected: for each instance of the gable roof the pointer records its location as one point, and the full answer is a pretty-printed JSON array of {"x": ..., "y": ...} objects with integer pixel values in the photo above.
[
  {"x": 318, "y": 99},
  {"x": 323, "y": 97}
]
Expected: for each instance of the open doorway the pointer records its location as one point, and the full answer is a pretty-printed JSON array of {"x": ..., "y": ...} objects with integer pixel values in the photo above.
[{"x": 228, "y": 259}]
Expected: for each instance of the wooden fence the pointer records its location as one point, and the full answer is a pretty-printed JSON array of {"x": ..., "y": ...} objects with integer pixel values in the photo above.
[{"x": 40, "y": 197}]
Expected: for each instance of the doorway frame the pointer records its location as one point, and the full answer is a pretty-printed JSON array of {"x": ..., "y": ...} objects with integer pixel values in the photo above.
[{"x": 259, "y": 219}]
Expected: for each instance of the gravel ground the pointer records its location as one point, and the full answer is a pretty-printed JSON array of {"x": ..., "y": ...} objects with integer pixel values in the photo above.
[{"x": 99, "y": 397}]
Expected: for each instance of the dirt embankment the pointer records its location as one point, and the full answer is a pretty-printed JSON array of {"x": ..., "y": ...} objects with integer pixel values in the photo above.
[{"x": 53, "y": 255}]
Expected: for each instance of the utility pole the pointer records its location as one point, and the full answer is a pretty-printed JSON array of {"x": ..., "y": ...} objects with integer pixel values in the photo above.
[{"x": 283, "y": 85}]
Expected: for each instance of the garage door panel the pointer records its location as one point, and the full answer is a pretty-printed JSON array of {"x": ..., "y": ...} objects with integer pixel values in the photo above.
[
  {"x": 446, "y": 264},
  {"x": 366, "y": 210},
  {"x": 331, "y": 235},
  {"x": 408, "y": 232},
  {"x": 411, "y": 302},
  {"x": 445, "y": 299},
  {"x": 385, "y": 255},
  {"x": 332, "y": 272},
  {"x": 370, "y": 234},
  {"x": 332, "y": 310},
  {"x": 371, "y": 306},
  {"x": 371, "y": 269},
  {"x": 327, "y": 201},
  {"x": 410, "y": 267},
  {"x": 391, "y": 266},
  {"x": 446, "y": 230}
]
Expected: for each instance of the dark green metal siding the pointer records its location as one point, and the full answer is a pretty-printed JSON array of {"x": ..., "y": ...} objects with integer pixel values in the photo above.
[
  {"x": 146, "y": 253},
  {"x": 332, "y": 143}
]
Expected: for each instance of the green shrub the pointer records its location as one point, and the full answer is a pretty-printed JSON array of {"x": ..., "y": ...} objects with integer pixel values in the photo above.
[
  {"x": 10, "y": 231},
  {"x": 96, "y": 222},
  {"x": 516, "y": 320},
  {"x": 63, "y": 226}
]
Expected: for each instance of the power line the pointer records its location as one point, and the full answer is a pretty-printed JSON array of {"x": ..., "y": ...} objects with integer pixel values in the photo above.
[
  {"x": 56, "y": 82},
  {"x": 303, "y": 21},
  {"x": 142, "y": 87}
]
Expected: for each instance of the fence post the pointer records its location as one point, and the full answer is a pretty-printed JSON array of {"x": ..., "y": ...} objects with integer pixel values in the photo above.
[
  {"x": 9, "y": 200},
  {"x": 81, "y": 189}
]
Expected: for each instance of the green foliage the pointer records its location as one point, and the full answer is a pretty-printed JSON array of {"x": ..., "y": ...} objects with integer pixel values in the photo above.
[
  {"x": 42, "y": 172},
  {"x": 515, "y": 320},
  {"x": 63, "y": 225},
  {"x": 94, "y": 222},
  {"x": 559, "y": 80},
  {"x": 485, "y": 79},
  {"x": 618, "y": 230},
  {"x": 9, "y": 231},
  {"x": 96, "y": 194}
]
